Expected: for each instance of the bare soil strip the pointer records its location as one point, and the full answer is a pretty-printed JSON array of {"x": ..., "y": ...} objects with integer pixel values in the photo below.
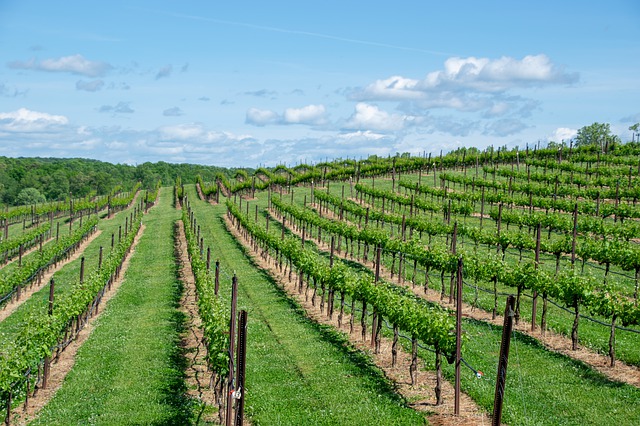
[
  {"x": 553, "y": 341},
  {"x": 36, "y": 285},
  {"x": 65, "y": 361},
  {"x": 421, "y": 395}
]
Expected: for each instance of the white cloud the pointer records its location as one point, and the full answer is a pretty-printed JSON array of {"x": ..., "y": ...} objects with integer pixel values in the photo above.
[
  {"x": 90, "y": 86},
  {"x": 360, "y": 135},
  {"x": 120, "y": 107},
  {"x": 262, "y": 93},
  {"x": 27, "y": 121},
  {"x": 313, "y": 115},
  {"x": 471, "y": 85},
  {"x": 370, "y": 117},
  {"x": 504, "y": 127},
  {"x": 173, "y": 112},
  {"x": 394, "y": 88},
  {"x": 181, "y": 132},
  {"x": 310, "y": 114},
  {"x": 164, "y": 71},
  {"x": 563, "y": 133},
  {"x": 486, "y": 75},
  {"x": 198, "y": 134},
  {"x": 75, "y": 64},
  {"x": 261, "y": 117}
]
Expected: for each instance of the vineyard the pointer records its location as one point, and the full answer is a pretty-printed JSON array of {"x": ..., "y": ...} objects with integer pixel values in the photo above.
[{"x": 375, "y": 291}]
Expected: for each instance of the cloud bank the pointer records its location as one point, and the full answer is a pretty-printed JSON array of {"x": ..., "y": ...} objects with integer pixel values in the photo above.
[{"x": 74, "y": 64}]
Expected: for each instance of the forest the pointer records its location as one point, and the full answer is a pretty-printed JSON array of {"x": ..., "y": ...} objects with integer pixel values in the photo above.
[{"x": 55, "y": 179}]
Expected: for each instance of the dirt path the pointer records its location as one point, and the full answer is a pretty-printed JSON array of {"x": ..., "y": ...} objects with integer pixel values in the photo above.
[
  {"x": 421, "y": 395},
  {"x": 555, "y": 342},
  {"x": 65, "y": 361},
  {"x": 36, "y": 285}
]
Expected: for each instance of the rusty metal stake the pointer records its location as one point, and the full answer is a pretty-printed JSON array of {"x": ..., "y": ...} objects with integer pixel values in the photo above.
[
  {"x": 503, "y": 360},
  {"x": 241, "y": 366}
]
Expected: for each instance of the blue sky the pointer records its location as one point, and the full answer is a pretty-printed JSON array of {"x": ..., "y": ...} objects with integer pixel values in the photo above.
[{"x": 282, "y": 82}]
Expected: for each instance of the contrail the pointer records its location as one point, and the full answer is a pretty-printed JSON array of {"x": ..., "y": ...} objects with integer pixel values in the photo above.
[{"x": 307, "y": 33}]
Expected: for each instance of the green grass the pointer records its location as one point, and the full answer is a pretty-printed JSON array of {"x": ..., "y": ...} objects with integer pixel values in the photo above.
[
  {"x": 591, "y": 334},
  {"x": 64, "y": 230},
  {"x": 298, "y": 372},
  {"x": 542, "y": 387},
  {"x": 130, "y": 370},
  {"x": 66, "y": 276}
]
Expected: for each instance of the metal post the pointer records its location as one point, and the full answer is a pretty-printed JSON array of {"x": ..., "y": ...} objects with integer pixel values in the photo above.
[
  {"x": 575, "y": 235},
  {"x": 503, "y": 360},
  {"x": 534, "y": 302},
  {"x": 456, "y": 409},
  {"x": 241, "y": 366},
  {"x": 232, "y": 334},
  {"x": 47, "y": 360},
  {"x": 217, "y": 278}
]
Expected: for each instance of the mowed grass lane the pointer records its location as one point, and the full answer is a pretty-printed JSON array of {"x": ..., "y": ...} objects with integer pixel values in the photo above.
[
  {"x": 130, "y": 370},
  {"x": 66, "y": 276},
  {"x": 298, "y": 372}
]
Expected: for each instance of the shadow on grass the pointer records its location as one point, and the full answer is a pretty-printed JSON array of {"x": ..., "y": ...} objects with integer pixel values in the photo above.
[
  {"x": 360, "y": 360},
  {"x": 582, "y": 370},
  {"x": 175, "y": 390}
]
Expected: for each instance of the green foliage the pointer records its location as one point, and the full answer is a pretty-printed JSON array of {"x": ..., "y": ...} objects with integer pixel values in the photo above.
[
  {"x": 212, "y": 310},
  {"x": 51, "y": 253},
  {"x": 30, "y": 196},
  {"x": 41, "y": 332},
  {"x": 430, "y": 323},
  {"x": 597, "y": 134}
]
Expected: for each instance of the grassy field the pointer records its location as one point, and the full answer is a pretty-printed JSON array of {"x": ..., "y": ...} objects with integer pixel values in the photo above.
[
  {"x": 298, "y": 372},
  {"x": 67, "y": 275},
  {"x": 542, "y": 387},
  {"x": 130, "y": 370},
  {"x": 591, "y": 334}
]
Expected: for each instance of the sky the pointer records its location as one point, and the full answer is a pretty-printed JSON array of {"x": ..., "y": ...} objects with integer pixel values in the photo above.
[{"x": 256, "y": 83}]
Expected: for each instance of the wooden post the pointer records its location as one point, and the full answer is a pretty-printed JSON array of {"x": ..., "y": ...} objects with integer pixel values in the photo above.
[
  {"x": 82, "y": 270},
  {"x": 7, "y": 419}
]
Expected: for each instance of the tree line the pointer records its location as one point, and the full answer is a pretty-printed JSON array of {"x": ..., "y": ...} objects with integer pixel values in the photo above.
[{"x": 36, "y": 180}]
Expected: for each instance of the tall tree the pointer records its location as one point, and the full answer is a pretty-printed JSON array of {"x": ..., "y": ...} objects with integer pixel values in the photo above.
[
  {"x": 596, "y": 134},
  {"x": 636, "y": 130},
  {"x": 30, "y": 196}
]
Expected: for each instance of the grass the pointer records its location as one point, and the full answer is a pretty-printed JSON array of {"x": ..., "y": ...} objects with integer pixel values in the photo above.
[
  {"x": 298, "y": 372},
  {"x": 66, "y": 276},
  {"x": 64, "y": 230},
  {"x": 130, "y": 370},
  {"x": 542, "y": 387},
  {"x": 591, "y": 334}
]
